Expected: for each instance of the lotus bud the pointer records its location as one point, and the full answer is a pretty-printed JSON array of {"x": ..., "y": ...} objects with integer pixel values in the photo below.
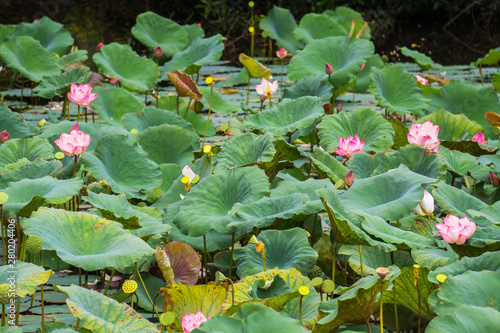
[
  {"x": 339, "y": 107},
  {"x": 98, "y": 47},
  {"x": 362, "y": 67},
  {"x": 329, "y": 69},
  {"x": 421, "y": 80},
  {"x": 349, "y": 178},
  {"x": 158, "y": 52},
  {"x": 479, "y": 137},
  {"x": 4, "y": 136},
  {"x": 426, "y": 206},
  {"x": 281, "y": 53},
  {"x": 494, "y": 179}
]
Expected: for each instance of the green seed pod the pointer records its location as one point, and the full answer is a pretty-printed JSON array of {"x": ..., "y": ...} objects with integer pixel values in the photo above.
[{"x": 34, "y": 245}]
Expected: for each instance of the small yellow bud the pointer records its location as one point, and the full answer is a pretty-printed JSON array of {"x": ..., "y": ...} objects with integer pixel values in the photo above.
[
  {"x": 251, "y": 30},
  {"x": 133, "y": 130}
]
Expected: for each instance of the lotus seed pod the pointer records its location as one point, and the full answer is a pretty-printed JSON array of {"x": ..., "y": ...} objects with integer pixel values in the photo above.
[
  {"x": 4, "y": 294},
  {"x": 315, "y": 272},
  {"x": 157, "y": 192},
  {"x": 316, "y": 282},
  {"x": 129, "y": 287},
  {"x": 304, "y": 291},
  {"x": 382, "y": 272},
  {"x": 167, "y": 318},
  {"x": 328, "y": 286},
  {"x": 41, "y": 122},
  {"x": 441, "y": 278},
  {"x": 4, "y": 197},
  {"x": 34, "y": 245}
]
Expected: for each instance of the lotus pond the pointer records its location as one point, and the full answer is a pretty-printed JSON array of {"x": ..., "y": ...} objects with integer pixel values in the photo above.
[{"x": 322, "y": 189}]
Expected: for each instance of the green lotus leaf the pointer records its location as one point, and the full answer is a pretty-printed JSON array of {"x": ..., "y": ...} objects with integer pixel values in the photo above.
[
  {"x": 185, "y": 262},
  {"x": 32, "y": 170},
  {"x": 181, "y": 300},
  {"x": 201, "y": 51},
  {"x": 489, "y": 261},
  {"x": 452, "y": 126},
  {"x": 14, "y": 123},
  {"x": 279, "y": 24},
  {"x": 72, "y": 58},
  {"x": 117, "y": 208},
  {"x": 287, "y": 116},
  {"x": 129, "y": 173},
  {"x": 51, "y": 35},
  {"x": 112, "y": 104},
  {"x": 150, "y": 117},
  {"x": 252, "y": 317},
  {"x": 397, "y": 91},
  {"x": 328, "y": 166},
  {"x": 284, "y": 249},
  {"x": 467, "y": 318},
  {"x": 27, "y": 277},
  {"x": 391, "y": 195},
  {"x": 405, "y": 293},
  {"x": 59, "y": 84},
  {"x": 363, "y": 78},
  {"x": 310, "y": 85},
  {"x": 367, "y": 123},
  {"x": 495, "y": 82},
  {"x": 483, "y": 240},
  {"x": 86, "y": 240},
  {"x": 401, "y": 132},
  {"x": 492, "y": 58},
  {"x": 454, "y": 201},
  {"x": 194, "y": 31},
  {"x": 317, "y": 26},
  {"x": 416, "y": 159},
  {"x": 154, "y": 30},
  {"x": 354, "y": 306},
  {"x": 473, "y": 101},
  {"x": 15, "y": 149},
  {"x": 373, "y": 258},
  {"x": 121, "y": 61},
  {"x": 434, "y": 258},
  {"x": 5, "y": 31},
  {"x": 294, "y": 280},
  {"x": 346, "y": 225},
  {"x": 25, "y": 196},
  {"x": 460, "y": 164},
  {"x": 18, "y": 55},
  {"x": 345, "y": 16},
  {"x": 208, "y": 205},
  {"x": 423, "y": 61},
  {"x": 11, "y": 329},
  {"x": 102, "y": 314},
  {"x": 346, "y": 56},
  {"x": 181, "y": 144},
  {"x": 362, "y": 164},
  {"x": 254, "y": 67},
  {"x": 491, "y": 213},
  {"x": 219, "y": 105}
]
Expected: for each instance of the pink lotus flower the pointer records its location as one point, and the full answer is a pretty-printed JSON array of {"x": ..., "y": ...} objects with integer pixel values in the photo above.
[
  {"x": 479, "y": 137},
  {"x": 328, "y": 69},
  {"x": 266, "y": 88},
  {"x": 98, "y": 47},
  {"x": 281, "y": 53},
  {"x": 112, "y": 80},
  {"x": 426, "y": 206},
  {"x": 192, "y": 321},
  {"x": 425, "y": 135},
  {"x": 349, "y": 146},
  {"x": 73, "y": 143},
  {"x": 421, "y": 80},
  {"x": 455, "y": 230},
  {"x": 158, "y": 52},
  {"x": 81, "y": 95},
  {"x": 4, "y": 136}
]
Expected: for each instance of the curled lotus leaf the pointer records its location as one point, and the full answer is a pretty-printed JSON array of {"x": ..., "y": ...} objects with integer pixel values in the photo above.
[
  {"x": 254, "y": 67},
  {"x": 184, "y": 85}
]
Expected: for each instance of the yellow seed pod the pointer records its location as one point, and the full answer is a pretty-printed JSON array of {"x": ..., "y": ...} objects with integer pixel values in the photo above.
[
  {"x": 303, "y": 290},
  {"x": 129, "y": 287},
  {"x": 185, "y": 180},
  {"x": 441, "y": 278},
  {"x": 195, "y": 179},
  {"x": 251, "y": 30},
  {"x": 209, "y": 80},
  {"x": 4, "y": 197},
  {"x": 207, "y": 149},
  {"x": 59, "y": 155},
  {"x": 251, "y": 4},
  {"x": 41, "y": 122},
  {"x": 133, "y": 130}
]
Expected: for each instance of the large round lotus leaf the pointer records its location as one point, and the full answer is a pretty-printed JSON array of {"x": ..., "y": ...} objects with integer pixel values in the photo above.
[
  {"x": 27, "y": 277},
  {"x": 202, "y": 51},
  {"x": 316, "y": 26},
  {"x": 15, "y": 149},
  {"x": 473, "y": 101},
  {"x": 416, "y": 159},
  {"x": 181, "y": 143},
  {"x": 25, "y": 196},
  {"x": 452, "y": 126},
  {"x": 346, "y": 56},
  {"x": 152, "y": 116},
  {"x": 246, "y": 149},
  {"x": 102, "y": 314},
  {"x": 466, "y": 318},
  {"x": 284, "y": 249},
  {"x": 79, "y": 56},
  {"x": 182, "y": 300},
  {"x": 59, "y": 84},
  {"x": 396, "y": 90},
  {"x": 130, "y": 172},
  {"x": 96, "y": 132},
  {"x": 454, "y": 201},
  {"x": 194, "y": 31},
  {"x": 219, "y": 104},
  {"x": 112, "y": 104},
  {"x": 362, "y": 165},
  {"x": 310, "y": 85},
  {"x": 14, "y": 123},
  {"x": 423, "y": 61},
  {"x": 208, "y": 205},
  {"x": 253, "y": 317},
  {"x": 490, "y": 213},
  {"x": 391, "y": 195},
  {"x": 363, "y": 78},
  {"x": 154, "y": 30},
  {"x": 287, "y": 116},
  {"x": 279, "y": 24},
  {"x": 185, "y": 262},
  {"x": 86, "y": 240},
  {"x": 367, "y": 123},
  {"x": 32, "y": 170},
  {"x": 18, "y": 55},
  {"x": 345, "y": 16},
  {"x": 460, "y": 164},
  {"x": 120, "y": 61},
  {"x": 492, "y": 58},
  {"x": 51, "y": 35}
]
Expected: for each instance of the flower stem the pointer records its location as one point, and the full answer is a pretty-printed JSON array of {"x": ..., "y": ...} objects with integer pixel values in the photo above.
[
  {"x": 281, "y": 83},
  {"x": 145, "y": 289},
  {"x": 78, "y": 115},
  {"x": 395, "y": 296},
  {"x": 248, "y": 88},
  {"x": 300, "y": 308},
  {"x": 208, "y": 117},
  {"x": 4, "y": 249},
  {"x": 232, "y": 253},
  {"x": 177, "y": 104},
  {"x": 22, "y": 90},
  {"x": 187, "y": 107},
  {"x": 3, "y": 314},
  {"x": 157, "y": 83},
  {"x": 361, "y": 261},
  {"x": 334, "y": 263},
  {"x": 382, "y": 307},
  {"x": 43, "y": 309},
  {"x": 109, "y": 282},
  {"x": 205, "y": 256}
]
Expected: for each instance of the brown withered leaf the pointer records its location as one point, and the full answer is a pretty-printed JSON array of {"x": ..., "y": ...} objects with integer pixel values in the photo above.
[{"x": 184, "y": 85}]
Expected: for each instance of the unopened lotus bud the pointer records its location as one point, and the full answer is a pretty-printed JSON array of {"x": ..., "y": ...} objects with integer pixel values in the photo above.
[
  {"x": 219, "y": 277},
  {"x": 494, "y": 180},
  {"x": 362, "y": 67},
  {"x": 349, "y": 178},
  {"x": 4, "y": 136},
  {"x": 98, "y": 47},
  {"x": 339, "y": 107},
  {"x": 426, "y": 206},
  {"x": 158, "y": 52},
  {"x": 329, "y": 69},
  {"x": 281, "y": 53}
]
